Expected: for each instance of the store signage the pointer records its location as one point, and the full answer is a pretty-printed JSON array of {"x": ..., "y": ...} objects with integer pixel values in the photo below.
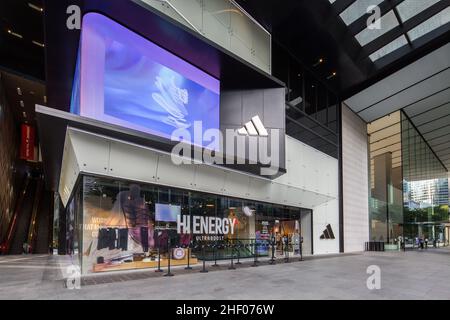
[
  {"x": 187, "y": 224},
  {"x": 179, "y": 253},
  {"x": 27, "y": 143}
]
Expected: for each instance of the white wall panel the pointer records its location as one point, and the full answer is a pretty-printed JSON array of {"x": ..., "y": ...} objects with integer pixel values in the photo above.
[
  {"x": 305, "y": 225},
  {"x": 92, "y": 152},
  {"x": 225, "y": 24},
  {"x": 260, "y": 189},
  {"x": 209, "y": 179},
  {"x": 322, "y": 216},
  {"x": 141, "y": 166},
  {"x": 237, "y": 184},
  {"x": 69, "y": 172},
  {"x": 356, "y": 181},
  {"x": 181, "y": 176}
]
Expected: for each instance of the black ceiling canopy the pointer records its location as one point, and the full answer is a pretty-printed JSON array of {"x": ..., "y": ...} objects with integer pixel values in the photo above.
[
  {"x": 22, "y": 37},
  {"x": 337, "y": 31}
]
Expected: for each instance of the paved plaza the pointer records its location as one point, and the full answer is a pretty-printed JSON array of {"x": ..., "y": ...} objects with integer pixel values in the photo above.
[{"x": 404, "y": 275}]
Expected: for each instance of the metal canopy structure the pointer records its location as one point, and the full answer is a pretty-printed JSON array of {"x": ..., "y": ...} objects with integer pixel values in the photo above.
[
  {"x": 422, "y": 91},
  {"x": 337, "y": 31},
  {"x": 403, "y": 25}
]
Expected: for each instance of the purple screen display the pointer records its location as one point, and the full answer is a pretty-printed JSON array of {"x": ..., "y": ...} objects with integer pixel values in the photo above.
[{"x": 126, "y": 80}]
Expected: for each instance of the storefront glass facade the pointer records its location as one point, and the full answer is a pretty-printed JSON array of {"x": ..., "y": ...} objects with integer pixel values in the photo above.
[
  {"x": 386, "y": 199},
  {"x": 409, "y": 185},
  {"x": 425, "y": 189},
  {"x": 126, "y": 225}
]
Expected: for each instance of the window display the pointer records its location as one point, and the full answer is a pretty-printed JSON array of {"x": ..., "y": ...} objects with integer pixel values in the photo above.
[{"x": 127, "y": 225}]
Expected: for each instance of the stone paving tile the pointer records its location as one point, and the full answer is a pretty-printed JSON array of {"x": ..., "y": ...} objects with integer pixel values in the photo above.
[{"x": 410, "y": 275}]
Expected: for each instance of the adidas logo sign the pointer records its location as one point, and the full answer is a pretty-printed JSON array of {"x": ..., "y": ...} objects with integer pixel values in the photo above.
[
  {"x": 327, "y": 233},
  {"x": 254, "y": 127}
]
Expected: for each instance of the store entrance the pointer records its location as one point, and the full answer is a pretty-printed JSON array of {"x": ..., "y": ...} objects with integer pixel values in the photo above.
[
  {"x": 289, "y": 229},
  {"x": 287, "y": 235}
]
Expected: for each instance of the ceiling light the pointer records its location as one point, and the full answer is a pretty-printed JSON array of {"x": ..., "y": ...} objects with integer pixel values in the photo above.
[
  {"x": 332, "y": 76},
  {"x": 35, "y": 7},
  {"x": 15, "y": 34},
  {"x": 38, "y": 44},
  {"x": 22, "y": 104},
  {"x": 320, "y": 61},
  {"x": 19, "y": 91}
]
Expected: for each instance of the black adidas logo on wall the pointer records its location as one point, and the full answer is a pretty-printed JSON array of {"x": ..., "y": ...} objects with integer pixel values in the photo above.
[{"x": 327, "y": 233}]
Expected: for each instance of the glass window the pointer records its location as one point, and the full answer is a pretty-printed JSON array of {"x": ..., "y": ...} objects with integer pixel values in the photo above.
[
  {"x": 386, "y": 214},
  {"x": 295, "y": 97},
  {"x": 431, "y": 24},
  {"x": 127, "y": 225},
  {"x": 322, "y": 105},
  {"x": 388, "y": 22},
  {"x": 311, "y": 96},
  {"x": 409, "y": 8},
  {"x": 357, "y": 9},
  {"x": 425, "y": 190},
  {"x": 391, "y": 47}
]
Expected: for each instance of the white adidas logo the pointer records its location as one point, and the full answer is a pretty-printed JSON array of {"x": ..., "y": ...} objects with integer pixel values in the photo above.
[{"x": 254, "y": 127}]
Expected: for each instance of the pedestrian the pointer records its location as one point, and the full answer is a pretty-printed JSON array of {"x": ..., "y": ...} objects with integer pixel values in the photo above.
[
  {"x": 26, "y": 248},
  {"x": 426, "y": 243}
]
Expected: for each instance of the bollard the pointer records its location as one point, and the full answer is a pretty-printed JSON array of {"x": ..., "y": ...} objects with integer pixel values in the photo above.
[
  {"x": 272, "y": 260},
  {"x": 301, "y": 249},
  {"x": 189, "y": 257},
  {"x": 215, "y": 255},
  {"x": 232, "y": 259},
  {"x": 286, "y": 252},
  {"x": 204, "y": 263},
  {"x": 168, "y": 274},
  {"x": 239, "y": 254},
  {"x": 255, "y": 255},
  {"x": 159, "y": 256}
]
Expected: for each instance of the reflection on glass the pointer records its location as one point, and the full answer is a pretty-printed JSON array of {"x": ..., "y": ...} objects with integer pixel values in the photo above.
[
  {"x": 386, "y": 216},
  {"x": 425, "y": 189},
  {"x": 119, "y": 225},
  {"x": 409, "y": 186}
]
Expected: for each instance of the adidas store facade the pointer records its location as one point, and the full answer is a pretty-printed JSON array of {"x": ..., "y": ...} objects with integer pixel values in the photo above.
[{"x": 126, "y": 203}]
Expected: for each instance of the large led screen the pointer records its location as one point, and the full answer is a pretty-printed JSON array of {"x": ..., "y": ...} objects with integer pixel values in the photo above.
[{"x": 126, "y": 80}]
